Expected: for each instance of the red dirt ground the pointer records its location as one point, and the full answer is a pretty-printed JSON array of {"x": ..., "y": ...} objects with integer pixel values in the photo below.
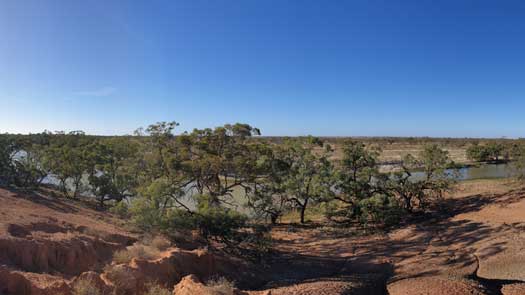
[{"x": 475, "y": 247}]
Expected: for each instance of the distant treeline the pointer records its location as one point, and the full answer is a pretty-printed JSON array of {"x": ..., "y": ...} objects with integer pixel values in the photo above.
[{"x": 448, "y": 141}]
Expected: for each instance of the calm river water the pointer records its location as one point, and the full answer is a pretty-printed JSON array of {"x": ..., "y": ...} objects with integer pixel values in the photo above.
[{"x": 479, "y": 172}]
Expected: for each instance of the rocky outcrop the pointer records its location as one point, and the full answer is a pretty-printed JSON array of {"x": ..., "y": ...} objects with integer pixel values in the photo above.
[
  {"x": 70, "y": 257},
  {"x": 166, "y": 271},
  {"x": 191, "y": 285},
  {"x": 176, "y": 264},
  {"x": 20, "y": 283},
  {"x": 513, "y": 289},
  {"x": 51, "y": 247}
]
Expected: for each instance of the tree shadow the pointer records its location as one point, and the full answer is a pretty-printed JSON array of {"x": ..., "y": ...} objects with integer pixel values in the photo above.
[
  {"x": 366, "y": 277},
  {"x": 473, "y": 203},
  {"x": 54, "y": 203},
  {"x": 434, "y": 244}
]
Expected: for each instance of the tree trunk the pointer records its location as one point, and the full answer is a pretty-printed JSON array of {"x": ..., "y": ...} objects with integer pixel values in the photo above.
[
  {"x": 303, "y": 209},
  {"x": 273, "y": 218}
]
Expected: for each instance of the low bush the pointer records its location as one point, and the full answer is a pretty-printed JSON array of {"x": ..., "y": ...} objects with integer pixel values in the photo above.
[
  {"x": 160, "y": 243},
  {"x": 221, "y": 286},
  {"x": 156, "y": 289},
  {"x": 121, "y": 276},
  {"x": 85, "y": 287},
  {"x": 120, "y": 209},
  {"x": 138, "y": 251},
  {"x": 122, "y": 256}
]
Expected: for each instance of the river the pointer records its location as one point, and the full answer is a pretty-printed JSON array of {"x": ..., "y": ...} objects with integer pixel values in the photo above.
[{"x": 484, "y": 171}]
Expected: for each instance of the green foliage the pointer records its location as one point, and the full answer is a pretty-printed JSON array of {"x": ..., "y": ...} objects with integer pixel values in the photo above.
[
  {"x": 7, "y": 152},
  {"x": 149, "y": 211},
  {"x": 486, "y": 153},
  {"x": 28, "y": 169},
  {"x": 113, "y": 172},
  {"x": 367, "y": 196},
  {"x": 308, "y": 177},
  {"x": 20, "y": 161},
  {"x": 68, "y": 158},
  {"x": 413, "y": 192},
  {"x": 220, "y": 160},
  {"x": 266, "y": 194},
  {"x": 359, "y": 185},
  {"x": 216, "y": 221},
  {"x": 380, "y": 209},
  {"x": 518, "y": 155},
  {"x": 166, "y": 183},
  {"x": 121, "y": 209}
]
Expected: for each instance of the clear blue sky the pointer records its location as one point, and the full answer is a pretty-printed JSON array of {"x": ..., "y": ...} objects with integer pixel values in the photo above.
[{"x": 350, "y": 67}]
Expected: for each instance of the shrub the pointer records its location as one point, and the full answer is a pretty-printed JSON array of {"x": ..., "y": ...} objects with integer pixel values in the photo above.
[
  {"x": 143, "y": 252},
  {"x": 122, "y": 256},
  {"x": 121, "y": 276},
  {"x": 221, "y": 286},
  {"x": 120, "y": 209},
  {"x": 160, "y": 243},
  {"x": 7, "y": 169},
  {"x": 136, "y": 251},
  {"x": 85, "y": 287},
  {"x": 155, "y": 289},
  {"x": 218, "y": 222},
  {"x": 146, "y": 214},
  {"x": 380, "y": 209},
  {"x": 485, "y": 153}
]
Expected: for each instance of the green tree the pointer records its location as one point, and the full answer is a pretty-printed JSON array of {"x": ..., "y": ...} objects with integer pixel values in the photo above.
[
  {"x": 436, "y": 179},
  {"x": 8, "y": 150},
  {"x": 267, "y": 195},
  {"x": 114, "y": 172},
  {"x": 220, "y": 160},
  {"x": 492, "y": 151},
  {"x": 29, "y": 171},
  {"x": 162, "y": 171},
  {"x": 518, "y": 155},
  {"x": 309, "y": 176},
  {"x": 360, "y": 186},
  {"x": 203, "y": 167},
  {"x": 68, "y": 159}
]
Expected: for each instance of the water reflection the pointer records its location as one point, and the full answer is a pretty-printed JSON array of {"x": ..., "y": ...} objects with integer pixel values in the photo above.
[{"x": 477, "y": 172}]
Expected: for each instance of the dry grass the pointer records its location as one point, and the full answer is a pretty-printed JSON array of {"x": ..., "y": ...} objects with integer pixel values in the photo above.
[
  {"x": 122, "y": 256},
  {"x": 155, "y": 289},
  {"x": 96, "y": 233},
  {"x": 120, "y": 276},
  {"x": 221, "y": 286},
  {"x": 138, "y": 251},
  {"x": 85, "y": 287},
  {"x": 158, "y": 242},
  {"x": 392, "y": 152},
  {"x": 149, "y": 248}
]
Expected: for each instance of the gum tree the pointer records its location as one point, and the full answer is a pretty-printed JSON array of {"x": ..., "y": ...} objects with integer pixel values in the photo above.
[
  {"x": 309, "y": 173},
  {"x": 436, "y": 180},
  {"x": 359, "y": 185}
]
